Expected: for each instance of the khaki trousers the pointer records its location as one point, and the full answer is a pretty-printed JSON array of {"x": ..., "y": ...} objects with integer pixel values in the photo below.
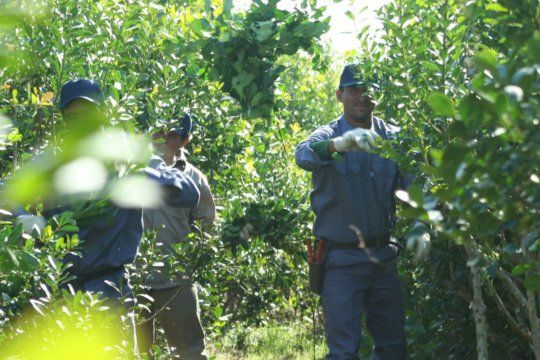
[{"x": 177, "y": 310}]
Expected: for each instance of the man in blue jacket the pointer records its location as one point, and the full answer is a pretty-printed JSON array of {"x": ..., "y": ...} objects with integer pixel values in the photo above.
[
  {"x": 353, "y": 202},
  {"x": 109, "y": 234}
]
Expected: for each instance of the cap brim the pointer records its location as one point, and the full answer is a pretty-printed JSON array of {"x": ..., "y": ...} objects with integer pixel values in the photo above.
[
  {"x": 354, "y": 84},
  {"x": 67, "y": 101}
]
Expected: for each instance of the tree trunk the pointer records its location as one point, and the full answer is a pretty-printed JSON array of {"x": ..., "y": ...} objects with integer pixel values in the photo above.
[{"x": 478, "y": 306}]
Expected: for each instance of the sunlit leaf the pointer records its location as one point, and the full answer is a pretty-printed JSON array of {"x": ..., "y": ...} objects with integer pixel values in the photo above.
[
  {"x": 441, "y": 104},
  {"x": 82, "y": 175},
  {"x": 47, "y": 98},
  {"x": 116, "y": 145},
  {"x": 487, "y": 57},
  {"x": 136, "y": 191},
  {"x": 496, "y": 7}
]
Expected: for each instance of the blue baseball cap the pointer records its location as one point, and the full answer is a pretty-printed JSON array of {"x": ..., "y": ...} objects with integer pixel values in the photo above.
[
  {"x": 86, "y": 89},
  {"x": 183, "y": 126},
  {"x": 350, "y": 77}
]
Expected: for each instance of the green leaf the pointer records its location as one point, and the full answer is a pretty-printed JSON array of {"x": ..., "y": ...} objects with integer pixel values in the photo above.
[
  {"x": 533, "y": 47},
  {"x": 12, "y": 257},
  {"x": 521, "y": 269},
  {"x": 218, "y": 311},
  {"x": 487, "y": 58},
  {"x": 70, "y": 228},
  {"x": 496, "y": 7},
  {"x": 532, "y": 282},
  {"x": 430, "y": 66},
  {"x": 441, "y": 104},
  {"x": 416, "y": 194},
  {"x": 471, "y": 112},
  {"x": 28, "y": 261}
]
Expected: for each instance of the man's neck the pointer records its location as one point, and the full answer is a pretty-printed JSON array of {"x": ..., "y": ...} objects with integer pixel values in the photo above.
[
  {"x": 169, "y": 159},
  {"x": 364, "y": 123}
]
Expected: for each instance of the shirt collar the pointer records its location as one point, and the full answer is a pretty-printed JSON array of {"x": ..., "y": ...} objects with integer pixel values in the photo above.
[
  {"x": 345, "y": 126},
  {"x": 181, "y": 160}
]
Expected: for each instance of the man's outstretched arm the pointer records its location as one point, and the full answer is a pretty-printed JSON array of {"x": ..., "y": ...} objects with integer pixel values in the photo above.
[
  {"x": 180, "y": 190},
  {"x": 314, "y": 152}
]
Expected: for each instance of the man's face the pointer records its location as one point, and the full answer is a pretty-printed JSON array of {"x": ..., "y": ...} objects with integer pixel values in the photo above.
[
  {"x": 357, "y": 104},
  {"x": 170, "y": 142},
  {"x": 81, "y": 117}
]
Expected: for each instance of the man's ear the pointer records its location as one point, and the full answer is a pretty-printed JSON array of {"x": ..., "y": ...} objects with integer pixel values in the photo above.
[{"x": 339, "y": 95}]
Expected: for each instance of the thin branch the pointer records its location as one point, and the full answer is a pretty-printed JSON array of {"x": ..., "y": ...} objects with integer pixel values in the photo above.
[
  {"x": 164, "y": 307},
  {"x": 512, "y": 287},
  {"x": 535, "y": 322},
  {"x": 525, "y": 333}
]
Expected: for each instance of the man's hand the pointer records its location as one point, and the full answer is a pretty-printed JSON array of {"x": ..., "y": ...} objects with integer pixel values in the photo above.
[{"x": 355, "y": 140}]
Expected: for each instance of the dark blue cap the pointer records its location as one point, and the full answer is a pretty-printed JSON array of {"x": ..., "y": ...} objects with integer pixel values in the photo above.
[
  {"x": 81, "y": 89},
  {"x": 183, "y": 126},
  {"x": 350, "y": 77}
]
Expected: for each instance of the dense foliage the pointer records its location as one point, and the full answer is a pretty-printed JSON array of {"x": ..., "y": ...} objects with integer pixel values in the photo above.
[{"x": 460, "y": 78}]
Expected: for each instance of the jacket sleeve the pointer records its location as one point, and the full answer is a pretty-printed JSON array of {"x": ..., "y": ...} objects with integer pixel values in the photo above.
[
  {"x": 206, "y": 209},
  {"x": 306, "y": 157},
  {"x": 180, "y": 190}
]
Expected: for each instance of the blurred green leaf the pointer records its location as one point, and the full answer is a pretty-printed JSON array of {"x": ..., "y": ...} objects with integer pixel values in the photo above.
[
  {"x": 496, "y": 7},
  {"x": 532, "y": 282},
  {"x": 441, "y": 104},
  {"x": 487, "y": 58}
]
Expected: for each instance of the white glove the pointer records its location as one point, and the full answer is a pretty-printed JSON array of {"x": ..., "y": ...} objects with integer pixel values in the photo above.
[
  {"x": 419, "y": 239},
  {"x": 355, "y": 140},
  {"x": 31, "y": 222},
  {"x": 246, "y": 230}
]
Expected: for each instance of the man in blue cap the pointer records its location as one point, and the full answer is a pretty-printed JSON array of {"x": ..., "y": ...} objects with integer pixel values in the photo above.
[
  {"x": 175, "y": 300},
  {"x": 354, "y": 206},
  {"x": 110, "y": 236}
]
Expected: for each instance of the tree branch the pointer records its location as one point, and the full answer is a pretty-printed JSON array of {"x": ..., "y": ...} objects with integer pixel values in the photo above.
[
  {"x": 535, "y": 323},
  {"x": 512, "y": 287},
  {"x": 502, "y": 308}
]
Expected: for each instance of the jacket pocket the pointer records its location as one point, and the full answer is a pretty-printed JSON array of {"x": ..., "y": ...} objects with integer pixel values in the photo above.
[
  {"x": 350, "y": 165},
  {"x": 383, "y": 167}
]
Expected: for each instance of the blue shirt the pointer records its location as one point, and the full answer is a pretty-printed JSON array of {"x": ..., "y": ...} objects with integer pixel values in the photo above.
[
  {"x": 352, "y": 198},
  {"x": 110, "y": 235}
]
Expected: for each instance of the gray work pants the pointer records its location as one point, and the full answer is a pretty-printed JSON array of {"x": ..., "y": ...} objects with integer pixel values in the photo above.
[
  {"x": 177, "y": 310},
  {"x": 357, "y": 283}
]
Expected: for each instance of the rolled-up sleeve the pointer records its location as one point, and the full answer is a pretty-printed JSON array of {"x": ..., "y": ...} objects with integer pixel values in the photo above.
[{"x": 306, "y": 157}]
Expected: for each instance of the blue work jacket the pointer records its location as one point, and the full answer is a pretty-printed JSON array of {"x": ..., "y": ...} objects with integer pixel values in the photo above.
[
  {"x": 352, "y": 197},
  {"x": 110, "y": 235}
]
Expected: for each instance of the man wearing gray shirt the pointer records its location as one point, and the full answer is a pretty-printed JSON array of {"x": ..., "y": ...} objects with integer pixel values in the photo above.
[
  {"x": 175, "y": 296},
  {"x": 354, "y": 206}
]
